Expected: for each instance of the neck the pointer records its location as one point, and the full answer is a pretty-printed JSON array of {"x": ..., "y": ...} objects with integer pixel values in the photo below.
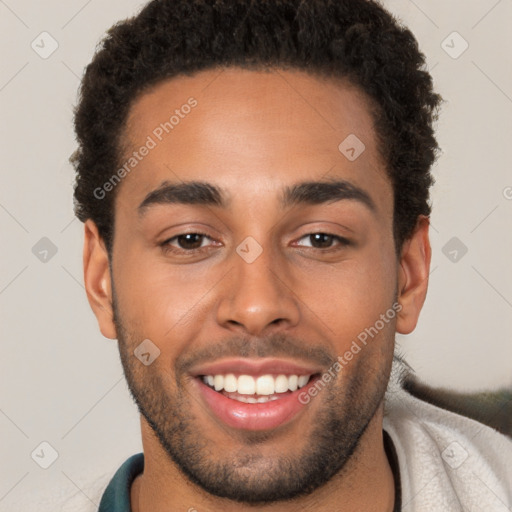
[{"x": 365, "y": 483}]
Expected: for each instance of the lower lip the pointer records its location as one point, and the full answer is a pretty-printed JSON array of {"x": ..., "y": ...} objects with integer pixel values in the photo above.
[{"x": 264, "y": 416}]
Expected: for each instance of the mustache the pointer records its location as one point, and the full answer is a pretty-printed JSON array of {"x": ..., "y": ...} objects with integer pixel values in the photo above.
[{"x": 275, "y": 345}]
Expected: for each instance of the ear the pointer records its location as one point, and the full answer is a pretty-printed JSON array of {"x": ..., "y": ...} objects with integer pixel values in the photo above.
[
  {"x": 97, "y": 279},
  {"x": 413, "y": 276}
]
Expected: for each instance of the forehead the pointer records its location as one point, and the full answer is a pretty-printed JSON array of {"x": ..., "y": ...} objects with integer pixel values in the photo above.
[{"x": 252, "y": 132}]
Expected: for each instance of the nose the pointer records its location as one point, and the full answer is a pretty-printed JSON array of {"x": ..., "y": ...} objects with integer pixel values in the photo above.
[{"x": 257, "y": 298}]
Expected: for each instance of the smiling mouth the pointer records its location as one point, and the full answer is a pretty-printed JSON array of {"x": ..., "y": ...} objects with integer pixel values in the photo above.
[{"x": 256, "y": 390}]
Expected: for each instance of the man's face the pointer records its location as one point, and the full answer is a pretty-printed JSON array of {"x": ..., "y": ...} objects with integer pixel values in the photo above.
[{"x": 285, "y": 301}]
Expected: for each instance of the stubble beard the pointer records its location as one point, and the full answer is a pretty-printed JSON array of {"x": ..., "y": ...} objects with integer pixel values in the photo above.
[{"x": 244, "y": 474}]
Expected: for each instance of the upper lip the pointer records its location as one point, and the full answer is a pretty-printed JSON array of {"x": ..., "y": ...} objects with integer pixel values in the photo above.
[{"x": 262, "y": 366}]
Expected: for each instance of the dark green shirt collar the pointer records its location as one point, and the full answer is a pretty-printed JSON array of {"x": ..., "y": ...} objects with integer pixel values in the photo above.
[{"x": 116, "y": 497}]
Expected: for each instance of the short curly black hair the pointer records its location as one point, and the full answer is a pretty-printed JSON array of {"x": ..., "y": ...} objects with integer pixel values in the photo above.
[{"x": 357, "y": 40}]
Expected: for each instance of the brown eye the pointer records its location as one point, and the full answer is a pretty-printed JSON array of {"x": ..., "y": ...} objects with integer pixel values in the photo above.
[
  {"x": 190, "y": 240},
  {"x": 323, "y": 241},
  {"x": 186, "y": 241}
]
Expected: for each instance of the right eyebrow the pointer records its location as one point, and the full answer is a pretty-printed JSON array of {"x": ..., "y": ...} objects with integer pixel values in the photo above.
[{"x": 191, "y": 192}]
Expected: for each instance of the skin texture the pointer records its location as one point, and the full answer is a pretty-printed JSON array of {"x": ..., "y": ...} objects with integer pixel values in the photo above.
[{"x": 252, "y": 134}]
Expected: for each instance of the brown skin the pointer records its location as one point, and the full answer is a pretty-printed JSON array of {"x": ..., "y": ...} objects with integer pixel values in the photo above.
[{"x": 253, "y": 133}]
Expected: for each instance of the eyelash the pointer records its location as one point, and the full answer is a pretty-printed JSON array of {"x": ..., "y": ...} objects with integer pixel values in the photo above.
[{"x": 167, "y": 247}]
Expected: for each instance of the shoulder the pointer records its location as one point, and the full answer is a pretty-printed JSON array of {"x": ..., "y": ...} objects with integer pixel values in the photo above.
[
  {"x": 447, "y": 461},
  {"x": 82, "y": 494}
]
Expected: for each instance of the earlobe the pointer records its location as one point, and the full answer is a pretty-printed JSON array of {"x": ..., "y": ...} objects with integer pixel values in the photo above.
[
  {"x": 413, "y": 276},
  {"x": 97, "y": 279}
]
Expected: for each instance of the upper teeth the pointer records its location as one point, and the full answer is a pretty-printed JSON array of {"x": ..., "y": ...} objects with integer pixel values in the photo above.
[{"x": 249, "y": 385}]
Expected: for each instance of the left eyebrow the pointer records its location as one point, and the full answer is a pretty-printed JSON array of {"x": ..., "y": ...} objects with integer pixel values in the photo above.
[{"x": 318, "y": 192}]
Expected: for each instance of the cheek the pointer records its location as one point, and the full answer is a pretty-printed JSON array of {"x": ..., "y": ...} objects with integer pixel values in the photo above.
[
  {"x": 162, "y": 302},
  {"x": 351, "y": 297}
]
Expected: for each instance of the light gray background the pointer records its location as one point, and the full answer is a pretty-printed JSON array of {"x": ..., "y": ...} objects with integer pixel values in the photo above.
[{"x": 61, "y": 381}]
